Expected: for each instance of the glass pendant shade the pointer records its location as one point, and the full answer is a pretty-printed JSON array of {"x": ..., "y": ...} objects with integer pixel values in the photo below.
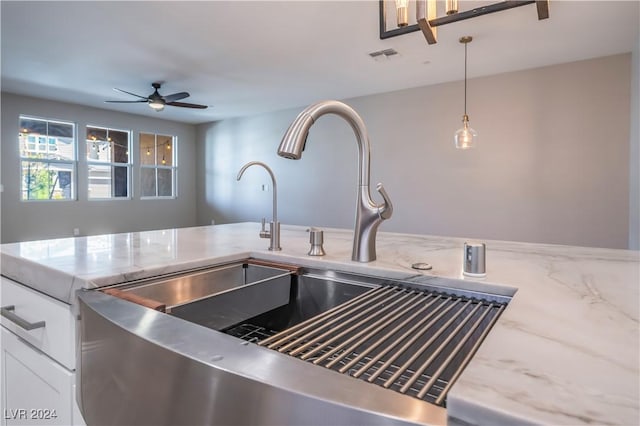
[{"x": 465, "y": 137}]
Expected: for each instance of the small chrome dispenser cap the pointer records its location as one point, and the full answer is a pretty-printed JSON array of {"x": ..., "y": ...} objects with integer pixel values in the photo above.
[
  {"x": 316, "y": 238},
  {"x": 474, "y": 260}
]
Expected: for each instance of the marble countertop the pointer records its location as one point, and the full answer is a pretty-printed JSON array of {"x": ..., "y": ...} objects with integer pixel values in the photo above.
[{"x": 565, "y": 351}]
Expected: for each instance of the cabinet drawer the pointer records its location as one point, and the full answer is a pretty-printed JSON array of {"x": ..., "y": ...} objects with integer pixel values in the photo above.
[
  {"x": 56, "y": 338},
  {"x": 35, "y": 390}
]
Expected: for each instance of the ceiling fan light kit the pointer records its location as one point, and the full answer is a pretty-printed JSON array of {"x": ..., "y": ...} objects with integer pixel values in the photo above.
[
  {"x": 157, "y": 105},
  {"x": 157, "y": 102}
]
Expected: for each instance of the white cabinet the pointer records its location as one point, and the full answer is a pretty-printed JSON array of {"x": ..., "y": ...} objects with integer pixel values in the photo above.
[{"x": 37, "y": 366}]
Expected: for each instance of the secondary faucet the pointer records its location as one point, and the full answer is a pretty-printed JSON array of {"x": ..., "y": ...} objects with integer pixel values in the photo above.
[
  {"x": 369, "y": 215},
  {"x": 274, "y": 226}
]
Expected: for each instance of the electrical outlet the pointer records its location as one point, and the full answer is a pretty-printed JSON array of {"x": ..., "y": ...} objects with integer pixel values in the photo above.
[
  {"x": 76, "y": 232},
  {"x": 213, "y": 221}
]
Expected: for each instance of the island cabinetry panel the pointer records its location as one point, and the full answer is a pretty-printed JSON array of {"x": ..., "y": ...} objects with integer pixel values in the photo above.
[{"x": 37, "y": 354}]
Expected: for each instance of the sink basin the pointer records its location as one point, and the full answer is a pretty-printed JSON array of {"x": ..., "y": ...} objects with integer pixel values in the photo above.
[
  {"x": 402, "y": 344},
  {"x": 179, "y": 289},
  {"x": 308, "y": 297}
]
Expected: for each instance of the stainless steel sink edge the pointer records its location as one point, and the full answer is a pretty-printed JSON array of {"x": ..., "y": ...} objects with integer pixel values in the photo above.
[
  {"x": 482, "y": 286},
  {"x": 502, "y": 294},
  {"x": 259, "y": 373}
]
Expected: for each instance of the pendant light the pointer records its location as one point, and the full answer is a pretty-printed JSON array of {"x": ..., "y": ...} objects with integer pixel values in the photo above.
[{"x": 465, "y": 137}]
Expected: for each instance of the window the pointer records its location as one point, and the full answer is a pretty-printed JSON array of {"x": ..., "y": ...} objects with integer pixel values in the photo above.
[
  {"x": 157, "y": 165},
  {"x": 108, "y": 163},
  {"x": 47, "y": 159}
]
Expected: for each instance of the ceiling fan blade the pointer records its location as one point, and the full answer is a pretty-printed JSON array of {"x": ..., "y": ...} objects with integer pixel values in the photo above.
[
  {"x": 129, "y": 93},
  {"x": 126, "y": 102},
  {"x": 186, "y": 105},
  {"x": 176, "y": 97}
]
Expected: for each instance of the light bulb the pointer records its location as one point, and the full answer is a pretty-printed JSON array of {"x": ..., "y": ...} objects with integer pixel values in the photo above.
[
  {"x": 451, "y": 7},
  {"x": 148, "y": 151},
  {"x": 402, "y": 14},
  {"x": 465, "y": 137}
]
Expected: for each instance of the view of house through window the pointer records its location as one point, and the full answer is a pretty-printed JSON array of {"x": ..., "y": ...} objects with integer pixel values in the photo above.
[
  {"x": 47, "y": 159},
  {"x": 108, "y": 162},
  {"x": 157, "y": 165}
]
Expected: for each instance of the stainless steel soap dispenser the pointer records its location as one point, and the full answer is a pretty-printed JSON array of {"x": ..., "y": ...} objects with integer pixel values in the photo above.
[
  {"x": 316, "y": 238},
  {"x": 474, "y": 259}
]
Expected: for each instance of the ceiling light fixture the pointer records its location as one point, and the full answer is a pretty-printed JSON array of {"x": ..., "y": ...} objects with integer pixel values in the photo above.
[
  {"x": 465, "y": 137},
  {"x": 427, "y": 21},
  {"x": 156, "y": 104}
]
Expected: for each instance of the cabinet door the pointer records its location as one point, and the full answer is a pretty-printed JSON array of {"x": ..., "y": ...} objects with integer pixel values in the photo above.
[{"x": 35, "y": 390}]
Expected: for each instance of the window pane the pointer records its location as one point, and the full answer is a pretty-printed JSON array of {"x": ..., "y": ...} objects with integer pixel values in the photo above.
[
  {"x": 120, "y": 181},
  {"x": 36, "y": 140},
  {"x": 30, "y": 125},
  {"x": 147, "y": 149},
  {"x": 120, "y": 145},
  {"x": 148, "y": 182},
  {"x": 46, "y": 181},
  {"x": 107, "y": 181},
  {"x": 165, "y": 182},
  {"x": 96, "y": 134},
  {"x": 165, "y": 150},
  {"x": 109, "y": 146}
]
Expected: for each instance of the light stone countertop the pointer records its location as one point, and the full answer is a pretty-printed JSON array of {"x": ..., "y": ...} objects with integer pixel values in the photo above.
[{"x": 565, "y": 351}]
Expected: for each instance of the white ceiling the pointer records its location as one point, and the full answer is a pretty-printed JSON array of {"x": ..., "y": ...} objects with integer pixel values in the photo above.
[{"x": 249, "y": 57}]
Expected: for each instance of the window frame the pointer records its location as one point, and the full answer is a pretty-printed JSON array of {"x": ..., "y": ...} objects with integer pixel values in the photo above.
[
  {"x": 47, "y": 161},
  {"x": 173, "y": 167},
  {"x": 128, "y": 164}
]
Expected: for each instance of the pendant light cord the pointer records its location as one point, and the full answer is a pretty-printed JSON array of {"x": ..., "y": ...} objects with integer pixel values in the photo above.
[{"x": 465, "y": 78}]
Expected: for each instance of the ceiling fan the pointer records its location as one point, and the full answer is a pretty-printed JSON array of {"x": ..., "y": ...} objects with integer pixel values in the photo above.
[{"x": 157, "y": 102}]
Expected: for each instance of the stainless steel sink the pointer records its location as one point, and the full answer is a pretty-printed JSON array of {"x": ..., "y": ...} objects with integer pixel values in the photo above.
[{"x": 399, "y": 346}]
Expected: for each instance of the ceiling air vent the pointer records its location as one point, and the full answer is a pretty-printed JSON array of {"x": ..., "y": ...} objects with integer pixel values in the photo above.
[{"x": 383, "y": 55}]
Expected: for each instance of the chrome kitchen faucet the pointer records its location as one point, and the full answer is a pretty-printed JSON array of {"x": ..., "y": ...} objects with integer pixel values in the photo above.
[
  {"x": 274, "y": 226},
  {"x": 369, "y": 215}
]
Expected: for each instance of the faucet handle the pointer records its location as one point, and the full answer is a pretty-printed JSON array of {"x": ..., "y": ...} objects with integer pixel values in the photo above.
[
  {"x": 385, "y": 210},
  {"x": 263, "y": 232}
]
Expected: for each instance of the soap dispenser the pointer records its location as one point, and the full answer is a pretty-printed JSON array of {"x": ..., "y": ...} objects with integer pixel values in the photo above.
[{"x": 316, "y": 238}]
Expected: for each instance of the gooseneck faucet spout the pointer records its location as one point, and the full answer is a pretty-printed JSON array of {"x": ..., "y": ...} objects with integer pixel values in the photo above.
[
  {"x": 274, "y": 226},
  {"x": 369, "y": 215}
]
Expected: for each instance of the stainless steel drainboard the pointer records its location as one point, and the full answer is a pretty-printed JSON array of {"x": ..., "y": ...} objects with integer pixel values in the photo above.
[{"x": 415, "y": 342}]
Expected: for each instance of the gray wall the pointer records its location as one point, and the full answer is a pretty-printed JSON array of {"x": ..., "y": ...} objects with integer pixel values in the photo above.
[
  {"x": 22, "y": 221},
  {"x": 552, "y": 163},
  {"x": 634, "y": 157}
]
